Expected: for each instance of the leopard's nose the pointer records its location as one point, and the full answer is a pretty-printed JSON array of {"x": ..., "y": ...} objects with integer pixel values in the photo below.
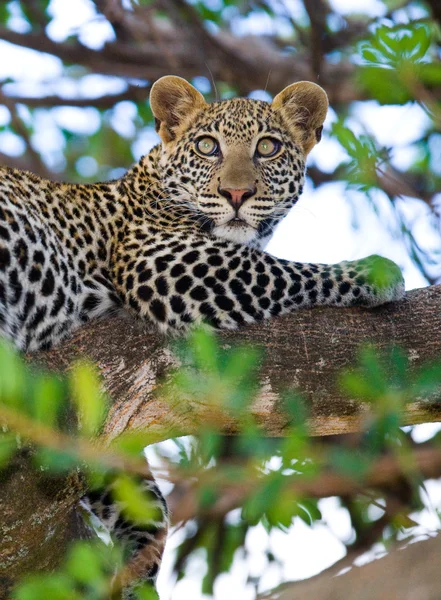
[{"x": 236, "y": 197}]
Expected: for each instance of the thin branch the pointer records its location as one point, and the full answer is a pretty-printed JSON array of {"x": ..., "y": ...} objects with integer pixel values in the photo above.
[
  {"x": 133, "y": 93},
  {"x": 148, "y": 62},
  {"x": 37, "y": 13},
  {"x": 81, "y": 448},
  {"x": 392, "y": 181},
  {"x": 17, "y": 162},
  {"x": 36, "y": 163},
  {"x": 384, "y": 472},
  {"x": 116, "y": 15},
  {"x": 435, "y": 6},
  {"x": 317, "y": 12}
]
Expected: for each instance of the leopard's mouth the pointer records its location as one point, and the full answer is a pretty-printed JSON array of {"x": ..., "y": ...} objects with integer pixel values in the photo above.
[
  {"x": 237, "y": 222},
  {"x": 237, "y": 230}
]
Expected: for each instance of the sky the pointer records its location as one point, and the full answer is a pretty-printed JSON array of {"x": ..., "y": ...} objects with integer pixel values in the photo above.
[{"x": 319, "y": 229}]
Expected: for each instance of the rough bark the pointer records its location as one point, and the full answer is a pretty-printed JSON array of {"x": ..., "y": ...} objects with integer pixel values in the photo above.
[
  {"x": 38, "y": 519},
  {"x": 306, "y": 350}
]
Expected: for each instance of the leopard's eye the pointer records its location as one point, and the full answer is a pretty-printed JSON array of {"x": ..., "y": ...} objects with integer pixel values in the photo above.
[
  {"x": 268, "y": 147},
  {"x": 207, "y": 146}
]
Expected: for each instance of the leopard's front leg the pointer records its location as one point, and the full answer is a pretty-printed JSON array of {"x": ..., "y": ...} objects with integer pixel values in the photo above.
[{"x": 174, "y": 279}]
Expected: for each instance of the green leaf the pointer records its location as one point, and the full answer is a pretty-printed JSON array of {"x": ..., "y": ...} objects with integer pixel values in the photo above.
[
  {"x": 8, "y": 445},
  {"x": 56, "y": 586},
  {"x": 12, "y": 376},
  {"x": 132, "y": 443},
  {"x": 368, "y": 53},
  {"x": 431, "y": 74},
  {"x": 348, "y": 462},
  {"x": 384, "y": 432},
  {"x": 204, "y": 348},
  {"x": 368, "y": 381},
  {"x": 145, "y": 112},
  {"x": 312, "y": 510},
  {"x": 4, "y": 12},
  {"x": 281, "y": 507},
  {"x": 428, "y": 381},
  {"x": 382, "y": 272},
  {"x": 84, "y": 565},
  {"x": 146, "y": 592},
  {"x": 47, "y": 399},
  {"x": 420, "y": 41},
  {"x": 135, "y": 503},
  {"x": 56, "y": 460},
  {"x": 88, "y": 398},
  {"x": 294, "y": 405},
  {"x": 207, "y": 496},
  {"x": 393, "y": 57},
  {"x": 384, "y": 86},
  {"x": 263, "y": 499}
]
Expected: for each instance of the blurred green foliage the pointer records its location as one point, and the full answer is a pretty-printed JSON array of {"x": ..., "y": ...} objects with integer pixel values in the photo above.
[
  {"x": 266, "y": 474},
  {"x": 396, "y": 59},
  {"x": 85, "y": 574}
]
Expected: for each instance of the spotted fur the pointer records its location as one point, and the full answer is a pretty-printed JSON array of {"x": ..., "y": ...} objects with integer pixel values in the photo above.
[{"x": 175, "y": 241}]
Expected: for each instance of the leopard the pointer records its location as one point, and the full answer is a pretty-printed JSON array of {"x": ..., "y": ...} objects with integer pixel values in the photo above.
[{"x": 176, "y": 241}]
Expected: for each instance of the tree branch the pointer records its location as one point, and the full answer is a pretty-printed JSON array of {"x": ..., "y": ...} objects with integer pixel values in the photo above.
[
  {"x": 306, "y": 350},
  {"x": 382, "y": 474},
  {"x": 36, "y": 162},
  {"x": 436, "y": 9},
  {"x": 147, "y": 49},
  {"x": 18, "y": 162},
  {"x": 134, "y": 93},
  {"x": 392, "y": 181},
  {"x": 317, "y": 12},
  {"x": 412, "y": 572},
  {"x": 147, "y": 61}
]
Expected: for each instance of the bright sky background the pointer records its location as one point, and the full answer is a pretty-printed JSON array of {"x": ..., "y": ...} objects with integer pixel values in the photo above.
[{"x": 320, "y": 228}]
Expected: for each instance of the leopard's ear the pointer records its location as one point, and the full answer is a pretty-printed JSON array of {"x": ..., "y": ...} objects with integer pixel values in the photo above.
[
  {"x": 303, "y": 107},
  {"x": 173, "y": 101}
]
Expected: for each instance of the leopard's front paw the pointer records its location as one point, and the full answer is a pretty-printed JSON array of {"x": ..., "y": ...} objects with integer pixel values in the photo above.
[{"x": 384, "y": 281}]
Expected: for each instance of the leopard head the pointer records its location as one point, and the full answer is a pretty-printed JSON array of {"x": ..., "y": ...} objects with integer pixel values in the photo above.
[{"x": 236, "y": 166}]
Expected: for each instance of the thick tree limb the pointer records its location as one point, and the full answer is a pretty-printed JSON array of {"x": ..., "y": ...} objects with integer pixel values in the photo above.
[{"x": 306, "y": 350}]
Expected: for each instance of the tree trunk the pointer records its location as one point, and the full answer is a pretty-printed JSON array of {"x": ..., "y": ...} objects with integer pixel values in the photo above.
[
  {"x": 305, "y": 350},
  {"x": 38, "y": 519}
]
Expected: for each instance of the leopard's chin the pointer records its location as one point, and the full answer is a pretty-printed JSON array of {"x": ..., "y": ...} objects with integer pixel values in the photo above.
[{"x": 237, "y": 231}]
